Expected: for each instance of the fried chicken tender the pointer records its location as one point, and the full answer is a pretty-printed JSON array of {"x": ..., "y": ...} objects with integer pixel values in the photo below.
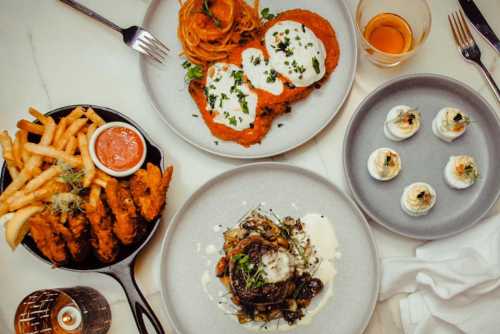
[
  {"x": 48, "y": 240},
  {"x": 103, "y": 241},
  {"x": 149, "y": 189},
  {"x": 76, "y": 236},
  {"x": 119, "y": 199}
]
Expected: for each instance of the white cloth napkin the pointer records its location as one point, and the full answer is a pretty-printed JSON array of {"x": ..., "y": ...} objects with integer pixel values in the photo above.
[{"x": 454, "y": 283}]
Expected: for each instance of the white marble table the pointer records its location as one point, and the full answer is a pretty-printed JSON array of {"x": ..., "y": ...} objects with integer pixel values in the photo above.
[{"x": 51, "y": 56}]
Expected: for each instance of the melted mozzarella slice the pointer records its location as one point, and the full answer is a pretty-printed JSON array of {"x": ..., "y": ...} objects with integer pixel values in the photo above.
[
  {"x": 295, "y": 52},
  {"x": 229, "y": 97},
  {"x": 259, "y": 72}
]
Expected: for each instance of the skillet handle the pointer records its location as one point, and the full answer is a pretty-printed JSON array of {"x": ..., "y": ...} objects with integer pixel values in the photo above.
[{"x": 124, "y": 274}]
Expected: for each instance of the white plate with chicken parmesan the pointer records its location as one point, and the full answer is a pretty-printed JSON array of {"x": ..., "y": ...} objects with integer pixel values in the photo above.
[
  {"x": 250, "y": 79},
  {"x": 249, "y": 252}
]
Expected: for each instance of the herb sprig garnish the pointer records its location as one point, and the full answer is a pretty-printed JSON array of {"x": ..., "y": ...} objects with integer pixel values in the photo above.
[
  {"x": 72, "y": 177},
  {"x": 266, "y": 14},
  {"x": 194, "y": 72},
  {"x": 208, "y": 12}
]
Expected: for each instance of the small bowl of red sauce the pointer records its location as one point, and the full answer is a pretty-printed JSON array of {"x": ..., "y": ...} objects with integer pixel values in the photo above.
[{"x": 118, "y": 149}]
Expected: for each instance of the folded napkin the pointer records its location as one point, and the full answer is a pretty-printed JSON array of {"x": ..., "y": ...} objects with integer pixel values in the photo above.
[{"x": 454, "y": 283}]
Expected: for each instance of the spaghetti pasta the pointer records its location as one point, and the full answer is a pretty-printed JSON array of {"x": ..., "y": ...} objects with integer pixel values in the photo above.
[{"x": 210, "y": 30}]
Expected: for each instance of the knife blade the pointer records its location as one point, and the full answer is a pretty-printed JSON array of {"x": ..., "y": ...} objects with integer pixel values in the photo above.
[{"x": 477, "y": 19}]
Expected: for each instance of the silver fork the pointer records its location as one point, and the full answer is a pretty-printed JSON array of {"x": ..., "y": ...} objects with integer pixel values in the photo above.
[
  {"x": 468, "y": 47},
  {"x": 135, "y": 37}
]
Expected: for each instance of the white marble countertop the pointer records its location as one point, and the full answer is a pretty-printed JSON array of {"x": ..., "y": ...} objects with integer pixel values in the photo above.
[{"x": 52, "y": 56}]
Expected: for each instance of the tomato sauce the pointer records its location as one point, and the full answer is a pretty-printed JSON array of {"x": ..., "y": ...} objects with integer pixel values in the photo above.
[{"x": 119, "y": 148}]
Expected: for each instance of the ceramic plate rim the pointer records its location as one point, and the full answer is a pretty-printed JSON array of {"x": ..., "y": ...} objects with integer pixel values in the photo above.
[
  {"x": 335, "y": 112},
  {"x": 228, "y": 173},
  {"x": 355, "y": 115}
]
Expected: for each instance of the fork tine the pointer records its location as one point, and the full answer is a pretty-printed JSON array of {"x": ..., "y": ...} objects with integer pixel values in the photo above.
[
  {"x": 461, "y": 37},
  {"x": 155, "y": 40},
  {"x": 466, "y": 40},
  {"x": 152, "y": 46},
  {"x": 144, "y": 49},
  {"x": 466, "y": 26},
  {"x": 453, "y": 31}
]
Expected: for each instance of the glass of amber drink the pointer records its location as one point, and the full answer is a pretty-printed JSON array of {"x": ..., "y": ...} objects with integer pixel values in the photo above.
[{"x": 391, "y": 31}]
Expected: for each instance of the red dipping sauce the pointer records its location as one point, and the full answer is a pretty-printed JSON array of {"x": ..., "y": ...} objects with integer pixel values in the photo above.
[{"x": 119, "y": 148}]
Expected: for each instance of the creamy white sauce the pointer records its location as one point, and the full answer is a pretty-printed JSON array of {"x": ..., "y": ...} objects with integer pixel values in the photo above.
[
  {"x": 206, "y": 279},
  {"x": 229, "y": 97},
  {"x": 277, "y": 266},
  {"x": 210, "y": 249},
  {"x": 259, "y": 72},
  {"x": 296, "y": 53},
  {"x": 322, "y": 235}
]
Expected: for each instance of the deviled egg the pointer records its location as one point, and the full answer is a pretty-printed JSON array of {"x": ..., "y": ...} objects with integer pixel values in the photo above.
[
  {"x": 450, "y": 123},
  {"x": 461, "y": 171},
  {"x": 418, "y": 198},
  {"x": 384, "y": 164},
  {"x": 401, "y": 123}
]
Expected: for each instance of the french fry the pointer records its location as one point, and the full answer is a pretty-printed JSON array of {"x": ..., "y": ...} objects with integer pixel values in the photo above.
[
  {"x": 42, "y": 194},
  {"x": 33, "y": 163},
  {"x": 94, "y": 117},
  {"x": 72, "y": 130},
  {"x": 17, "y": 227},
  {"x": 95, "y": 193},
  {"x": 49, "y": 151},
  {"x": 91, "y": 130},
  {"x": 100, "y": 182},
  {"x": 88, "y": 165},
  {"x": 71, "y": 146},
  {"x": 60, "y": 128},
  {"x": 43, "y": 178},
  {"x": 6, "y": 143},
  {"x": 17, "y": 148},
  {"x": 37, "y": 129},
  {"x": 39, "y": 116},
  {"x": 75, "y": 114}
]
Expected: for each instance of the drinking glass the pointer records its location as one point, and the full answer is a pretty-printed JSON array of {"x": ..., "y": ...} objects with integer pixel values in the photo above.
[{"x": 417, "y": 15}]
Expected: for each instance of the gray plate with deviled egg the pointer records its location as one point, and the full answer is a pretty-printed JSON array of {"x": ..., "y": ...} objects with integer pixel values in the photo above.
[{"x": 424, "y": 156}]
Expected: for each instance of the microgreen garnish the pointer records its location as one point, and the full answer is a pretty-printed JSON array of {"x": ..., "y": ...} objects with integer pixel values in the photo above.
[{"x": 253, "y": 275}]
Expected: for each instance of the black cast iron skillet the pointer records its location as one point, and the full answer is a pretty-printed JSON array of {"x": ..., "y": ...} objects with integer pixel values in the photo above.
[{"x": 122, "y": 269}]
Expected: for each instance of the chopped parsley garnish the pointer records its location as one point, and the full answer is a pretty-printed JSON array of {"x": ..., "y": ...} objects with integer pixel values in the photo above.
[
  {"x": 266, "y": 14},
  {"x": 315, "y": 63},
  {"x": 208, "y": 12},
  {"x": 238, "y": 77},
  {"x": 194, "y": 72},
  {"x": 243, "y": 101},
  {"x": 211, "y": 100},
  {"x": 284, "y": 46},
  {"x": 256, "y": 61},
  {"x": 303, "y": 28},
  {"x": 222, "y": 98},
  {"x": 387, "y": 161},
  {"x": 272, "y": 76},
  {"x": 458, "y": 117},
  {"x": 232, "y": 120}
]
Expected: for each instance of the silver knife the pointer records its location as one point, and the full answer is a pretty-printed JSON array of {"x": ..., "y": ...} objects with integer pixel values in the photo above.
[{"x": 478, "y": 20}]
